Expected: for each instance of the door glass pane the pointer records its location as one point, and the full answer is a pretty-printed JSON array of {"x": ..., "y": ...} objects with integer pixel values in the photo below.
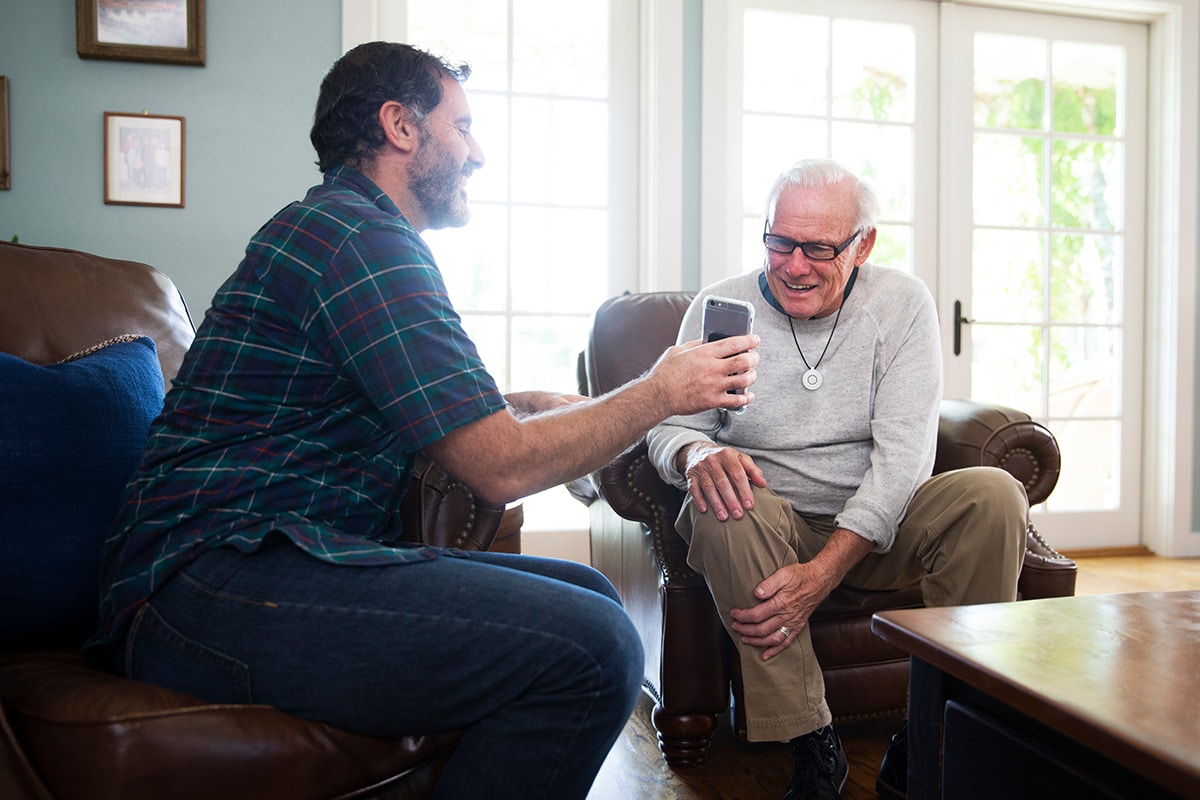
[
  {"x": 1013, "y": 355},
  {"x": 1092, "y": 483},
  {"x": 1008, "y": 269},
  {"x": 1084, "y": 373},
  {"x": 1010, "y": 84},
  {"x": 1086, "y": 184},
  {"x": 1008, "y": 180},
  {"x": 1085, "y": 87},
  {"x": 1086, "y": 286}
]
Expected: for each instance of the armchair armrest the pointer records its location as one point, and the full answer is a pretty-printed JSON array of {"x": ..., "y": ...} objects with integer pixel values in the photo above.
[
  {"x": 441, "y": 511},
  {"x": 632, "y": 487},
  {"x": 973, "y": 434}
]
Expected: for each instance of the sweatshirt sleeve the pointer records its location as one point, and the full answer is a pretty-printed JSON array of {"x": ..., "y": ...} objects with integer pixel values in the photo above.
[{"x": 904, "y": 422}]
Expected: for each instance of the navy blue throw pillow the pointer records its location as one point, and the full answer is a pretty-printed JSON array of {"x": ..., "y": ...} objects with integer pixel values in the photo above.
[{"x": 71, "y": 435}]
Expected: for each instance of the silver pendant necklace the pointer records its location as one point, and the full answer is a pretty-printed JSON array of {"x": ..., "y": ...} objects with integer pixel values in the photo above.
[{"x": 812, "y": 379}]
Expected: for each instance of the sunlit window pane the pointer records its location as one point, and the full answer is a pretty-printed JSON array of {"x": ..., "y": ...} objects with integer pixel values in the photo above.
[
  {"x": 468, "y": 259},
  {"x": 489, "y": 126},
  {"x": 1085, "y": 87},
  {"x": 1086, "y": 187},
  {"x": 771, "y": 145},
  {"x": 560, "y": 257},
  {"x": 882, "y": 155},
  {"x": 893, "y": 247},
  {"x": 753, "y": 252},
  {"x": 1007, "y": 180},
  {"x": 561, "y": 154},
  {"x": 1084, "y": 372},
  {"x": 1086, "y": 287},
  {"x": 560, "y": 48},
  {"x": 786, "y": 62},
  {"x": 1007, "y": 285},
  {"x": 474, "y": 31},
  {"x": 1007, "y": 366},
  {"x": 1093, "y": 449},
  {"x": 874, "y": 69},
  {"x": 1010, "y": 81},
  {"x": 545, "y": 352}
]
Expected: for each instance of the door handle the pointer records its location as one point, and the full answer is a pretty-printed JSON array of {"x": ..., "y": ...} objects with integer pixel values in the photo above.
[{"x": 959, "y": 321}]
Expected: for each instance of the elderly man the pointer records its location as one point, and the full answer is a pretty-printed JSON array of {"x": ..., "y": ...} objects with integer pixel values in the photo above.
[
  {"x": 825, "y": 478},
  {"x": 255, "y": 557}
]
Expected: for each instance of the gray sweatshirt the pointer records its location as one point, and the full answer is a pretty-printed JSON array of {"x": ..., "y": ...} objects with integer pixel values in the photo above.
[{"x": 856, "y": 448}]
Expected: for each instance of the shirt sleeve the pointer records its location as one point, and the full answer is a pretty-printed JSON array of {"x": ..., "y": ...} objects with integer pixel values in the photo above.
[{"x": 389, "y": 322}]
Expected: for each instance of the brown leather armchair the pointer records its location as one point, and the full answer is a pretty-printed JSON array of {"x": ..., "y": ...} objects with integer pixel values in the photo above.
[
  {"x": 691, "y": 669},
  {"x": 69, "y": 730}
]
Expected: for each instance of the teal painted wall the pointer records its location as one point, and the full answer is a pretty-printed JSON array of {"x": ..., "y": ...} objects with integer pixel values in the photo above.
[{"x": 247, "y": 115}]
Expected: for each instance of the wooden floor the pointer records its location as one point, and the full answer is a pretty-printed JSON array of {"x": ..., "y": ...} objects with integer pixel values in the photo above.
[{"x": 736, "y": 770}]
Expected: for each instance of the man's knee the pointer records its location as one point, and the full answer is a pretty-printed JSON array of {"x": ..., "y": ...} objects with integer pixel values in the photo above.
[{"x": 997, "y": 502}]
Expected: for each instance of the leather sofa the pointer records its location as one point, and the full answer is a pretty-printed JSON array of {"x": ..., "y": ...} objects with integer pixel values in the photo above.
[
  {"x": 691, "y": 669},
  {"x": 72, "y": 731}
]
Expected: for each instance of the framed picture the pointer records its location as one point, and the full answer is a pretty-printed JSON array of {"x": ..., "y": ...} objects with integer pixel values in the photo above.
[
  {"x": 143, "y": 160},
  {"x": 162, "y": 31},
  {"x": 5, "y": 155}
]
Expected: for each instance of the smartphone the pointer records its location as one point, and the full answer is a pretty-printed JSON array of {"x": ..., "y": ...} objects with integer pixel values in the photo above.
[{"x": 723, "y": 318}]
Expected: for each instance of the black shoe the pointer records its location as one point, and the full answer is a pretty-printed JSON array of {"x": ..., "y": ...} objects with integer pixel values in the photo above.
[
  {"x": 892, "y": 781},
  {"x": 819, "y": 769}
]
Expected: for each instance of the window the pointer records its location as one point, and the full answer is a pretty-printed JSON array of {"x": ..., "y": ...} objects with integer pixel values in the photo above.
[{"x": 553, "y": 229}]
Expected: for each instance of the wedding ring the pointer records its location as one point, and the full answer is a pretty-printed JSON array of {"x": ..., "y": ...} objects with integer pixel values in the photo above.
[{"x": 784, "y": 631}]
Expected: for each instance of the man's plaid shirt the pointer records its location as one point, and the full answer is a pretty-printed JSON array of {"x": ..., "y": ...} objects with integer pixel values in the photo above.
[{"x": 329, "y": 358}]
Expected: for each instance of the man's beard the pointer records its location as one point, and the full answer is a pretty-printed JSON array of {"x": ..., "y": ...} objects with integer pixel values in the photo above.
[{"x": 434, "y": 179}]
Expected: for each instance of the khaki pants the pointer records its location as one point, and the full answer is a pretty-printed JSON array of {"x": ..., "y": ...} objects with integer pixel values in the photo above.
[{"x": 962, "y": 540}]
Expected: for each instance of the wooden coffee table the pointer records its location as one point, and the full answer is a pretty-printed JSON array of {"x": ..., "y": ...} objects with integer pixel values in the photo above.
[{"x": 1056, "y": 698}]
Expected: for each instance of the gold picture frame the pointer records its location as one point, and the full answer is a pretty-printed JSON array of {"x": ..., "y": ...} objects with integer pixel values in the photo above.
[
  {"x": 5, "y": 153},
  {"x": 143, "y": 160},
  {"x": 159, "y": 31}
]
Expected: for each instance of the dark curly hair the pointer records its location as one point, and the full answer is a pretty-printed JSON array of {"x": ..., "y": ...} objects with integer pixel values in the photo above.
[{"x": 346, "y": 124}]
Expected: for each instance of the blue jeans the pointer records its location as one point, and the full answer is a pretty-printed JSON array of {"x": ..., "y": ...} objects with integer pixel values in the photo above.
[{"x": 533, "y": 658}]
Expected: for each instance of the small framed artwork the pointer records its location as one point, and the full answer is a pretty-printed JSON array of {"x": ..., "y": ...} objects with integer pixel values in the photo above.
[
  {"x": 5, "y": 155},
  {"x": 143, "y": 160},
  {"x": 161, "y": 31}
]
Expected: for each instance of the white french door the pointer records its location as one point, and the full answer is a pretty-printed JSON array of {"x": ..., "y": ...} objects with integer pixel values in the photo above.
[{"x": 1042, "y": 277}]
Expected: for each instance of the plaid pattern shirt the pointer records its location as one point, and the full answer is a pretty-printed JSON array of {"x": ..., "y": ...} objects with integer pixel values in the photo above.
[{"x": 326, "y": 361}]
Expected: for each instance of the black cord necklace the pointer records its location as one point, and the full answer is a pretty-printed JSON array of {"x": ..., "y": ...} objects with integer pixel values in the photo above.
[{"x": 812, "y": 379}]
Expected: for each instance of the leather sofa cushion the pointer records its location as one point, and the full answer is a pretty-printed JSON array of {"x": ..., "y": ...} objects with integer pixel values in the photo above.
[{"x": 90, "y": 734}]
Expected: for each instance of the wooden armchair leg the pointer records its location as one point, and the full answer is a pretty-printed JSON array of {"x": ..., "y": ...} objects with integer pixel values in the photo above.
[{"x": 684, "y": 739}]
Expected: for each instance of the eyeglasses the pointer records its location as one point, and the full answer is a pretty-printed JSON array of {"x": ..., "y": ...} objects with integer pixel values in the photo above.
[{"x": 817, "y": 251}]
